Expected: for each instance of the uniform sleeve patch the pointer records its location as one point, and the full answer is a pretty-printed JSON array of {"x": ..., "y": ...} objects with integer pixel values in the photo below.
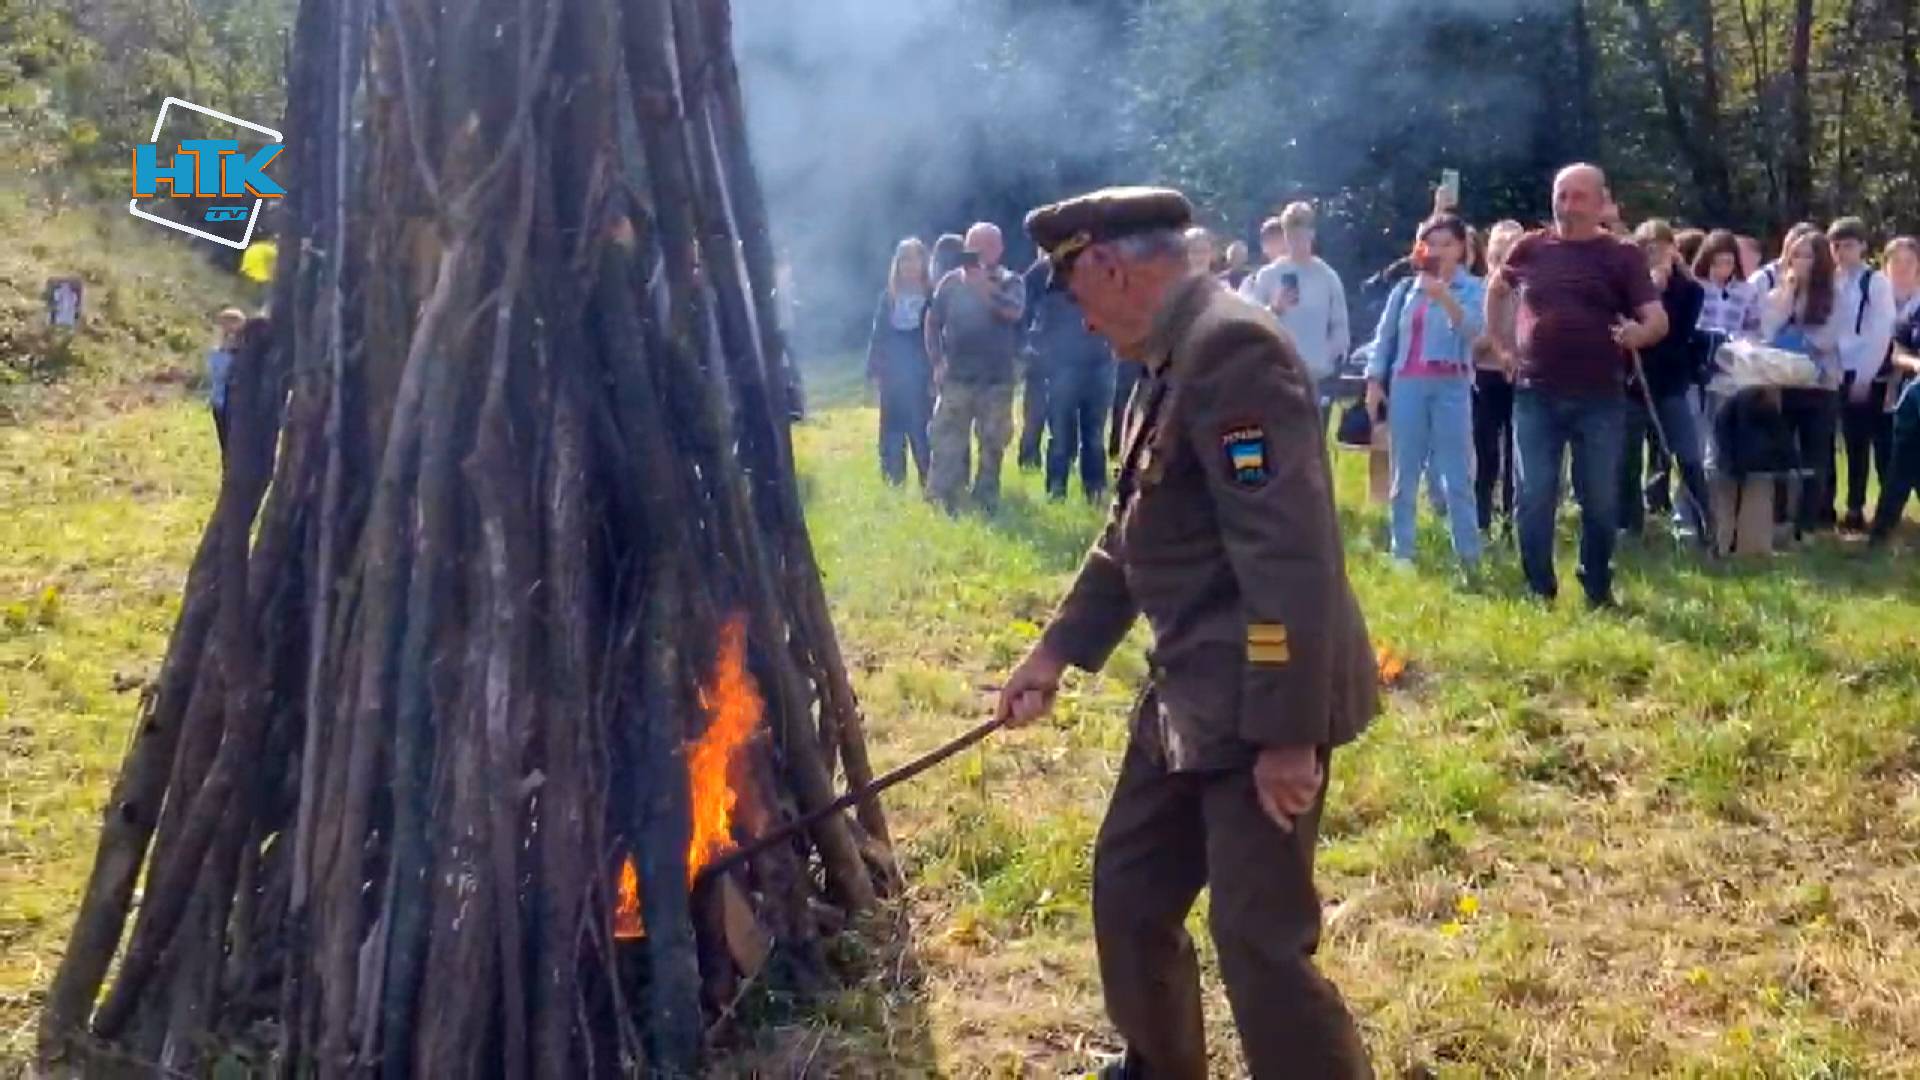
[
  {"x": 1267, "y": 644},
  {"x": 1246, "y": 448}
]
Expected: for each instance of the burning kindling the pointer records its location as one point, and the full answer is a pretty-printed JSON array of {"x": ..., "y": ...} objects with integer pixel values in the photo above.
[{"x": 731, "y": 702}]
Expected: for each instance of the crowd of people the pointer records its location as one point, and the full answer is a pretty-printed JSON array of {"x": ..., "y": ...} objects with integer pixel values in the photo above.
[
  {"x": 1499, "y": 355},
  {"x": 1610, "y": 344}
]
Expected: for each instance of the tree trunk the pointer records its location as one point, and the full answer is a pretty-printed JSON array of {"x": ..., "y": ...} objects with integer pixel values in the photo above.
[
  {"x": 1586, "y": 65},
  {"x": 1910, "y": 62},
  {"x": 1709, "y": 129},
  {"x": 1849, "y": 56},
  {"x": 1710, "y": 178},
  {"x": 1799, "y": 154}
]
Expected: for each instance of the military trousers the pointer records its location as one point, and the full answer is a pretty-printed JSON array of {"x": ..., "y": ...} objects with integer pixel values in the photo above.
[
  {"x": 964, "y": 411},
  {"x": 1167, "y": 835}
]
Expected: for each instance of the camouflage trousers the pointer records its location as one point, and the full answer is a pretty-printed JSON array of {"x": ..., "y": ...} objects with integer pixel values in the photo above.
[{"x": 966, "y": 410}]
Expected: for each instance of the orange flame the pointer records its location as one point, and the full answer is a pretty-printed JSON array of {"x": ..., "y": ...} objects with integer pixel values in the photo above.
[
  {"x": 732, "y": 704},
  {"x": 627, "y": 923},
  {"x": 1392, "y": 665}
]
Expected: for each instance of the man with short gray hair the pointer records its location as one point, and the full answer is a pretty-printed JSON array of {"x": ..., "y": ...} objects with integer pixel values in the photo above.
[
  {"x": 973, "y": 330},
  {"x": 1223, "y": 536}
]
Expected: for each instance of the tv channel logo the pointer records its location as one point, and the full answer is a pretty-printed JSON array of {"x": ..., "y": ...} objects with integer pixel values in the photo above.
[{"x": 208, "y": 169}]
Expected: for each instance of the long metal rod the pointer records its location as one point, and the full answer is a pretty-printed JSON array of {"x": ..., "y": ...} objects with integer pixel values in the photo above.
[
  {"x": 1666, "y": 446},
  {"x": 858, "y": 795}
]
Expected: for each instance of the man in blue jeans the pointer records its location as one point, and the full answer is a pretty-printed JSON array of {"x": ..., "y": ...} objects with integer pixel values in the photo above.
[
  {"x": 1079, "y": 373},
  {"x": 1586, "y": 300}
]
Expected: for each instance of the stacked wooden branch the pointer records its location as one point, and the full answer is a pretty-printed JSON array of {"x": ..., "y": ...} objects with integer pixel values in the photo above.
[{"x": 510, "y": 455}]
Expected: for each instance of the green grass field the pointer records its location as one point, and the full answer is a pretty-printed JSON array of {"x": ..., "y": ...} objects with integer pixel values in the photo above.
[{"x": 1683, "y": 839}]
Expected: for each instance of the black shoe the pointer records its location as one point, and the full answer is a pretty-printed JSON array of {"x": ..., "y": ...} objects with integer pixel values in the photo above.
[
  {"x": 1854, "y": 522},
  {"x": 1602, "y": 602}
]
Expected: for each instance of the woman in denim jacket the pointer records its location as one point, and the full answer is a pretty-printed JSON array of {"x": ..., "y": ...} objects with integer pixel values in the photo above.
[{"x": 1423, "y": 347}]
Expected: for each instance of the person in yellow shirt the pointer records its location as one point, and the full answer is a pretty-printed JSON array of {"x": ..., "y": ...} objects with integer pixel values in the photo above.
[{"x": 257, "y": 262}]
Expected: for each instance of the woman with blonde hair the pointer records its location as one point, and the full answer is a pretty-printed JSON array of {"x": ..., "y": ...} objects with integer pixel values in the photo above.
[
  {"x": 1493, "y": 392},
  {"x": 897, "y": 363}
]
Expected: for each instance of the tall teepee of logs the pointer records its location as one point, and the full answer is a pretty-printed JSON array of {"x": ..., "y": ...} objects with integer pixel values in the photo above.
[{"x": 507, "y": 534}]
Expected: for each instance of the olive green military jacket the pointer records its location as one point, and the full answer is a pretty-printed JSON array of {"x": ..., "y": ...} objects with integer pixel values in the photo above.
[{"x": 1223, "y": 534}]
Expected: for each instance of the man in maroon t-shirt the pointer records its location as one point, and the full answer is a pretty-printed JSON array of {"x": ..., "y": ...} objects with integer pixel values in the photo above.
[{"x": 1586, "y": 299}]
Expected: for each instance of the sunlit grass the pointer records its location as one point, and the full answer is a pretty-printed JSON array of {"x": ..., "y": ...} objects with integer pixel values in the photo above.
[
  {"x": 98, "y": 519},
  {"x": 1629, "y": 799}
]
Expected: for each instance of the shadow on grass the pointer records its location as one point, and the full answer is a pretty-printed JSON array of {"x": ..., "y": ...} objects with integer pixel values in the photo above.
[
  {"x": 1059, "y": 533},
  {"x": 1733, "y": 606},
  {"x": 875, "y": 1017}
]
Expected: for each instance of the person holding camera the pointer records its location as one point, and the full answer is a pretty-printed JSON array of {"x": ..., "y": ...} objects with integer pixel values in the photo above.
[
  {"x": 1424, "y": 349},
  {"x": 1306, "y": 295},
  {"x": 973, "y": 329}
]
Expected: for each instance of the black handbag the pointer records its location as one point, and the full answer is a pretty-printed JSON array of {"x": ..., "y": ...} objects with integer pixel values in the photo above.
[{"x": 1356, "y": 427}]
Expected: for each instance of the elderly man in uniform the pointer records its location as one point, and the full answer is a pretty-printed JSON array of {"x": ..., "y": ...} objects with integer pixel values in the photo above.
[{"x": 1223, "y": 535}]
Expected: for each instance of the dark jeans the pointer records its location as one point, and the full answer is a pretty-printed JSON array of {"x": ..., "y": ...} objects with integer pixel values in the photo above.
[
  {"x": 1492, "y": 445},
  {"x": 1812, "y": 415},
  {"x": 905, "y": 406},
  {"x": 219, "y": 425},
  {"x": 1867, "y": 430},
  {"x": 1899, "y": 480},
  {"x": 1080, "y": 397},
  {"x": 1033, "y": 412},
  {"x": 1125, "y": 374},
  {"x": 1656, "y": 486},
  {"x": 1676, "y": 415},
  {"x": 1545, "y": 426}
]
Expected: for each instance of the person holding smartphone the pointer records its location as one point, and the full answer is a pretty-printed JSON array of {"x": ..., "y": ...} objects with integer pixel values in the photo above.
[
  {"x": 1307, "y": 296},
  {"x": 1425, "y": 344},
  {"x": 973, "y": 331}
]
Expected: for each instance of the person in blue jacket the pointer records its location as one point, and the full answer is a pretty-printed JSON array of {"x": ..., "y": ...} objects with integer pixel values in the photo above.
[{"x": 1422, "y": 350}]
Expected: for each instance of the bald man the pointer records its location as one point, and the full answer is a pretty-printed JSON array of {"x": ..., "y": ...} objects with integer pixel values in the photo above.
[
  {"x": 1586, "y": 304},
  {"x": 972, "y": 333}
]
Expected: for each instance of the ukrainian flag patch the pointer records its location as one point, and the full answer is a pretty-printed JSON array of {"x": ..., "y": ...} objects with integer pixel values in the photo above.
[{"x": 1246, "y": 449}]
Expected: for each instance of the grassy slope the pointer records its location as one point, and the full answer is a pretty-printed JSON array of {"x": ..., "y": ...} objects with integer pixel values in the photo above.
[
  {"x": 98, "y": 518},
  {"x": 150, "y": 300},
  {"x": 1680, "y": 840}
]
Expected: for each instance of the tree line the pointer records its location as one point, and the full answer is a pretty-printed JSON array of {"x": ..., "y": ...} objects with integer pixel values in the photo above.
[{"x": 1747, "y": 113}]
